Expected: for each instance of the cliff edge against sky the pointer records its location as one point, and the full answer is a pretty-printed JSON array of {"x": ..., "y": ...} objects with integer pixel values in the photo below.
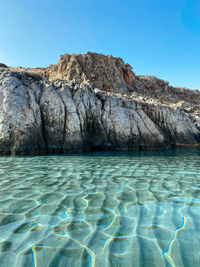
[{"x": 93, "y": 102}]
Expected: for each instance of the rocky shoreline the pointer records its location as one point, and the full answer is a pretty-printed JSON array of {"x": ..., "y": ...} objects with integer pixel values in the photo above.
[{"x": 90, "y": 102}]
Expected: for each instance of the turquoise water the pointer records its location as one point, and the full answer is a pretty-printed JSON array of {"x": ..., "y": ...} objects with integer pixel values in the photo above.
[{"x": 102, "y": 209}]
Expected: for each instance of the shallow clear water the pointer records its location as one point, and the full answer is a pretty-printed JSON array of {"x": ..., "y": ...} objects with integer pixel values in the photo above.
[{"x": 102, "y": 209}]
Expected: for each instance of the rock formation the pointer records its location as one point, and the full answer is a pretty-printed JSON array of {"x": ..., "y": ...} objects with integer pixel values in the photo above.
[{"x": 93, "y": 102}]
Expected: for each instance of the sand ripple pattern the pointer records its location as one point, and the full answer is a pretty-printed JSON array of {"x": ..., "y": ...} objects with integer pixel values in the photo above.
[{"x": 102, "y": 209}]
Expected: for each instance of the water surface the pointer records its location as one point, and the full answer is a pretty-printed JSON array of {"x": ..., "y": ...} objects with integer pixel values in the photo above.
[{"x": 102, "y": 209}]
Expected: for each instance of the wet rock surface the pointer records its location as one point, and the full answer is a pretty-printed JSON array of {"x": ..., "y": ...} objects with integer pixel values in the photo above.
[{"x": 93, "y": 102}]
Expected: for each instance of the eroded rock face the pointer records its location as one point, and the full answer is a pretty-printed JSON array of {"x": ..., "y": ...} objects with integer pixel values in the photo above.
[
  {"x": 93, "y": 102},
  {"x": 20, "y": 117},
  {"x": 107, "y": 73}
]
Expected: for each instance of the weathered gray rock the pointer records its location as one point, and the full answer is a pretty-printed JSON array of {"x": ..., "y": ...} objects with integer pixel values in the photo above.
[
  {"x": 20, "y": 118},
  {"x": 93, "y": 102}
]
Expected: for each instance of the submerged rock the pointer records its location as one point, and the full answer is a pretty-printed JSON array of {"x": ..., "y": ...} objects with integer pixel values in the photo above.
[{"x": 93, "y": 102}]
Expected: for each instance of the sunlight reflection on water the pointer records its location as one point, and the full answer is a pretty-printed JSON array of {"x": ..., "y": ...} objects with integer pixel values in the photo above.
[{"x": 101, "y": 209}]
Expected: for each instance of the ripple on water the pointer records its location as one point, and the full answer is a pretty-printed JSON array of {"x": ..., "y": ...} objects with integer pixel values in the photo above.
[{"x": 102, "y": 209}]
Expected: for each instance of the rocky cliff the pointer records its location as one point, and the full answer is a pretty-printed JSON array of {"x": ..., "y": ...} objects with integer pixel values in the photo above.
[{"x": 93, "y": 102}]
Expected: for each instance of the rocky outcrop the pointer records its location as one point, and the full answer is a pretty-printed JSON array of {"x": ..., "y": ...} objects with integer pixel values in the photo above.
[
  {"x": 93, "y": 102},
  {"x": 4, "y": 66},
  {"x": 106, "y": 73}
]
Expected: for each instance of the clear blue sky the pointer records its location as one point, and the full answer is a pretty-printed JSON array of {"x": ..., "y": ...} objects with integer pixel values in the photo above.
[{"x": 157, "y": 37}]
